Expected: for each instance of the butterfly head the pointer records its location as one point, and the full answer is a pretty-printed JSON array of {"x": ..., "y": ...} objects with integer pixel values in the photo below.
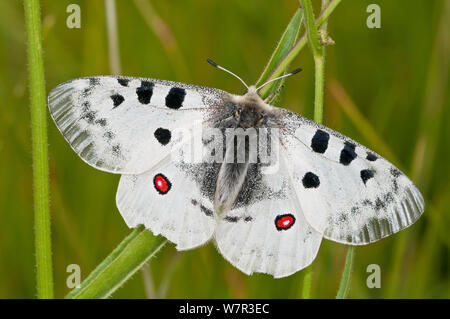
[{"x": 249, "y": 110}]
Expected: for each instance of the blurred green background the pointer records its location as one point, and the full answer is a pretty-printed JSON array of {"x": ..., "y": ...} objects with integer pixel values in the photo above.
[{"x": 387, "y": 88}]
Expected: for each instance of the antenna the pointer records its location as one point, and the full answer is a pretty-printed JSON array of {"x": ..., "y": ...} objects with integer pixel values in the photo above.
[
  {"x": 219, "y": 67},
  {"x": 280, "y": 77}
]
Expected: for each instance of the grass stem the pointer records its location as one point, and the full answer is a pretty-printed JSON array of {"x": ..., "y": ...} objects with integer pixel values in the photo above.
[
  {"x": 307, "y": 283},
  {"x": 318, "y": 52},
  {"x": 344, "y": 286},
  {"x": 299, "y": 45},
  {"x": 113, "y": 37},
  {"x": 319, "y": 69},
  {"x": 38, "y": 109}
]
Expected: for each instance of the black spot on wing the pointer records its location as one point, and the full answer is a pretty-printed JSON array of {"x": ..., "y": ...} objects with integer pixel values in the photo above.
[
  {"x": 395, "y": 186},
  {"x": 145, "y": 92},
  {"x": 347, "y": 154},
  {"x": 379, "y": 204},
  {"x": 310, "y": 180},
  {"x": 371, "y": 157},
  {"x": 319, "y": 142},
  {"x": 101, "y": 122},
  {"x": 123, "y": 82},
  {"x": 395, "y": 172},
  {"x": 87, "y": 91},
  {"x": 367, "y": 202},
  {"x": 116, "y": 149},
  {"x": 86, "y": 106},
  {"x": 163, "y": 135},
  {"x": 94, "y": 81},
  {"x": 206, "y": 211},
  {"x": 175, "y": 98},
  {"x": 355, "y": 210},
  {"x": 366, "y": 174},
  {"x": 89, "y": 116},
  {"x": 231, "y": 219},
  {"x": 342, "y": 218},
  {"x": 109, "y": 135},
  {"x": 117, "y": 99}
]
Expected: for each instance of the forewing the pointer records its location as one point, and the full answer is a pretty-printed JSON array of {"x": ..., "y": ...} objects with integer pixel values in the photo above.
[
  {"x": 127, "y": 125},
  {"x": 347, "y": 192},
  {"x": 266, "y": 231}
]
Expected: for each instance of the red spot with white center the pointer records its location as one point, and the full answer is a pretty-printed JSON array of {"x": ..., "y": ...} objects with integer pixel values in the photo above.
[
  {"x": 284, "y": 222},
  {"x": 162, "y": 184}
]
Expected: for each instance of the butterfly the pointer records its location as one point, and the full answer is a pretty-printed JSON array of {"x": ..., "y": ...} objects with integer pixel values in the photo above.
[{"x": 265, "y": 216}]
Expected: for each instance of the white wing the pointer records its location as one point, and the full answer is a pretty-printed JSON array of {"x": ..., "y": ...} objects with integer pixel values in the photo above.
[
  {"x": 169, "y": 201},
  {"x": 268, "y": 234},
  {"x": 127, "y": 125},
  {"x": 347, "y": 192}
]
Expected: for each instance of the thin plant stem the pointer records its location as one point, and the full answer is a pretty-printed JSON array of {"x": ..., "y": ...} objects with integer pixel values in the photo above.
[
  {"x": 307, "y": 283},
  {"x": 344, "y": 286},
  {"x": 299, "y": 45},
  {"x": 149, "y": 285},
  {"x": 318, "y": 51},
  {"x": 38, "y": 108},
  {"x": 319, "y": 68},
  {"x": 113, "y": 37},
  {"x": 311, "y": 28},
  {"x": 319, "y": 71}
]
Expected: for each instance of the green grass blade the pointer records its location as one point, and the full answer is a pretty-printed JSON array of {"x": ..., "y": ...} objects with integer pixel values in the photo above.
[
  {"x": 299, "y": 45},
  {"x": 318, "y": 51},
  {"x": 344, "y": 286},
  {"x": 285, "y": 44},
  {"x": 319, "y": 67},
  {"x": 131, "y": 254},
  {"x": 38, "y": 108},
  {"x": 307, "y": 283},
  {"x": 311, "y": 28}
]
